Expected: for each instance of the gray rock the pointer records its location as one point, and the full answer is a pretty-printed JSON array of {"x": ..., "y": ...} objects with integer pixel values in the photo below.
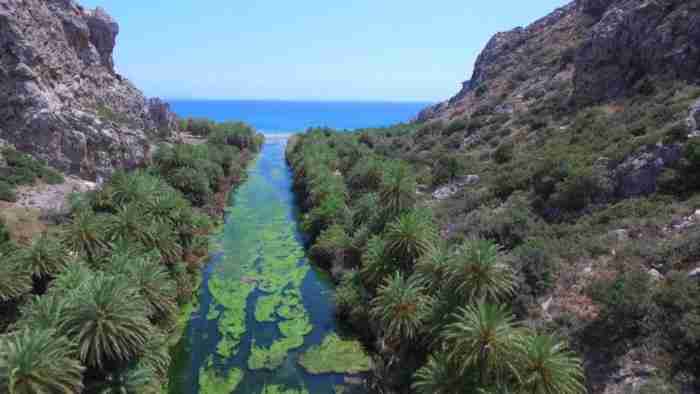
[
  {"x": 638, "y": 174},
  {"x": 694, "y": 274},
  {"x": 60, "y": 97},
  {"x": 454, "y": 187},
  {"x": 620, "y": 235},
  {"x": 631, "y": 39},
  {"x": 655, "y": 274},
  {"x": 694, "y": 120}
]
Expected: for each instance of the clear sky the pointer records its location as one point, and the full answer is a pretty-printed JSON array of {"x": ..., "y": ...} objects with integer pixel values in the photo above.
[{"x": 402, "y": 50}]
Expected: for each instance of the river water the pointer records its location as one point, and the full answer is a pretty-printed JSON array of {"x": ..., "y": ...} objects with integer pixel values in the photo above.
[{"x": 261, "y": 305}]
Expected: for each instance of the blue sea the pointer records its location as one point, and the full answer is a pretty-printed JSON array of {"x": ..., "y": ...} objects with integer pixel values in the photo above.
[{"x": 270, "y": 117}]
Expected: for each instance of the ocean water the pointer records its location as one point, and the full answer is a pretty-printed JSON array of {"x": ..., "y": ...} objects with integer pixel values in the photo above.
[{"x": 272, "y": 117}]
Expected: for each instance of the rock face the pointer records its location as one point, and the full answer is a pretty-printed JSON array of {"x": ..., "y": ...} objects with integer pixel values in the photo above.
[
  {"x": 60, "y": 96},
  {"x": 632, "y": 39},
  {"x": 585, "y": 52}
]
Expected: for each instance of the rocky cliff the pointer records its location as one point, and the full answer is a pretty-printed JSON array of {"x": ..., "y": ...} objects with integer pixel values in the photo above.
[
  {"x": 61, "y": 98},
  {"x": 586, "y": 52}
]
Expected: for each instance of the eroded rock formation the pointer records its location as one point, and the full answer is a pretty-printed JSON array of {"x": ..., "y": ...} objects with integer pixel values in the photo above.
[{"x": 61, "y": 98}]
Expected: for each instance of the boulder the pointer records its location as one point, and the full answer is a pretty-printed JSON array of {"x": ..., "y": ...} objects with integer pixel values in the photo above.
[
  {"x": 454, "y": 187},
  {"x": 637, "y": 175}
]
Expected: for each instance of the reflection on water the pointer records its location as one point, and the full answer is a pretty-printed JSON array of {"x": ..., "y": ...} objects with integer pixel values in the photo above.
[{"x": 261, "y": 305}]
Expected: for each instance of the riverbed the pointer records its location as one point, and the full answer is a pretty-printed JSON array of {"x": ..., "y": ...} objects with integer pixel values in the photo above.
[{"x": 264, "y": 321}]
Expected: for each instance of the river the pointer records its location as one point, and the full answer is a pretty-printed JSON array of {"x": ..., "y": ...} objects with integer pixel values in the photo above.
[{"x": 262, "y": 309}]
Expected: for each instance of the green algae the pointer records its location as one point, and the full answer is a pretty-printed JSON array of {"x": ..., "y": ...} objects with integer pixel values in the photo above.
[
  {"x": 298, "y": 327},
  {"x": 335, "y": 355},
  {"x": 265, "y": 308},
  {"x": 280, "y": 389},
  {"x": 211, "y": 382}
]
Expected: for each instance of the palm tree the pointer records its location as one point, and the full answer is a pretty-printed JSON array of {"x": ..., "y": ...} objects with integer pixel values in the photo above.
[
  {"x": 166, "y": 241},
  {"x": 484, "y": 336},
  {"x": 73, "y": 277},
  {"x": 410, "y": 236},
  {"x": 107, "y": 317},
  {"x": 85, "y": 235},
  {"x": 38, "y": 361},
  {"x": 547, "y": 367},
  {"x": 400, "y": 307},
  {"x": 15, "y": 280},
  {"x": 43, "y": 313},
  {"x": 432, "y": 267},
  {"x": 440, "y": 376},
  {"x": 376, "y": 265},
  {"x": 129, "y": 222},
  {"x": 475, "y": 272},
  {"x": 397, "y": 192},
  {"x": 156, "y": 356},
  {"x": 137, "y": 380},
  {"x": 44, "y": 258},
  {"x": 154, "y": 285}
]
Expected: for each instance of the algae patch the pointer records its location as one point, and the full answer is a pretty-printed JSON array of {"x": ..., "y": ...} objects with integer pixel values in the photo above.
[
  {"x": 211, "y": 382},
  {"x": 336, "y": 355}
]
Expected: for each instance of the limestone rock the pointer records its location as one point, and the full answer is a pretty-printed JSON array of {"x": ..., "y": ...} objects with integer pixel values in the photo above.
[
  {"x": 454, "y": 187},
  {"x": 60, "y": 96},
  {"x": 638, "y": 174},
  {"x": 585, "y": 52}
]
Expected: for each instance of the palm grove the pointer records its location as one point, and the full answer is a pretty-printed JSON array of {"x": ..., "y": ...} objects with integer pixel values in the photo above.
[
  {"x": 92, "y": 304},
  {"x": 438, "y": 312}
]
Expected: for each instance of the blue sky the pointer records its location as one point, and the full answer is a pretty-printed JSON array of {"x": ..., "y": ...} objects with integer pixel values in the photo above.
[{"x": 308, "y": 49}]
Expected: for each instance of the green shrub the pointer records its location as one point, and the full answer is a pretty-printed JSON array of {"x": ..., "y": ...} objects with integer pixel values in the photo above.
[
  {"x": 537, "y": 267},
  {"x": 504, "y": 153},
  {"x": 7, "y": 192},
  {"x": 4, "y": 233},
  {"x": 625, "y": 301},
  {"x": 446, "y": 169},
  {"x": 23, "y": 169},
  {"x": 455, "y": 126}
]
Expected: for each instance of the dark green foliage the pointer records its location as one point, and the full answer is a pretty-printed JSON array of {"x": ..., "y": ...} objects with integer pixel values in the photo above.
[
  {"x": 455, "y": 126},
  {"x": 504, "y": 153},
  {"x": 23, "y": 169},
  {"x": 625, "y": 301},
  {"x": 536, "y": 266},
  {"x": 4, "y": 233},
  {"x": 7, "y": 192},
  {"x": 447, "y": 168}
]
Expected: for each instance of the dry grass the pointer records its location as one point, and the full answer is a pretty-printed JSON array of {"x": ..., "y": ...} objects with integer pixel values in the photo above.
[{"x": 23, "y": 223}]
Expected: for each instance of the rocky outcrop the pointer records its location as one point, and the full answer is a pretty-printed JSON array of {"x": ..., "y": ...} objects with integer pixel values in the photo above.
[
  {"x": 633, "y": 39},
  {"x": 454, "y": 187},
  {"x": 585, "y": 52},
  {"x": 638, "y": 174},
  {"x": 60, "y": 96}
]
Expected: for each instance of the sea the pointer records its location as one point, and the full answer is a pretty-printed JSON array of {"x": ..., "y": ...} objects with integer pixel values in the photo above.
[{"x": 284, "y": 117}]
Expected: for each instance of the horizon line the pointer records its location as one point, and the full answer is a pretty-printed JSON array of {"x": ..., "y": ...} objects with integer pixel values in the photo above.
[{"x": 389, "y": 101}]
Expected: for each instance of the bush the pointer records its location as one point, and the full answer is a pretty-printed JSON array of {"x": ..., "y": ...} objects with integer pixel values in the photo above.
[
  {"x": 625, "y": 302},
  {"x": 537, "y": 267},
  {"x": 504, "y": 153},
  {"x": 455, "y": 126},
  {"x": 446, "y": 169},
  {"x": 23, "y": 169},
  {"x": 7, "y": 192},
  {"x": 4, "y": 233}
]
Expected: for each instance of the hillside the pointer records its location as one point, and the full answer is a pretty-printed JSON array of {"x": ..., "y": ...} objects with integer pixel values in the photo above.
[
  {"x": 560, "y": 182},
  {"x": 61, "y": 98}
]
